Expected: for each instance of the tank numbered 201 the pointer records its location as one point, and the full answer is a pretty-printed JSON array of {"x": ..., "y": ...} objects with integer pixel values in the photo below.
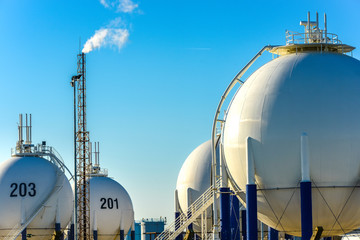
[
  {"x": 109, "y": 203},
  {"x": 23, "y": 189}
]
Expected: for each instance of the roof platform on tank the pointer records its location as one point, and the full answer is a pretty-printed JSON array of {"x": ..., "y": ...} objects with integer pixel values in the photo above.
[{"x": 311, "y": 47}]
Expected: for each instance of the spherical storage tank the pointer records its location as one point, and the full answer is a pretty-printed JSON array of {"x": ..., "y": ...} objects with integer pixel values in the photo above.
[
  {"x": 194, "y": 179},
  {"x": 26, "y": 184},
  {"x": 111, "y": 209},
  {"x": 314, "y": 93}
]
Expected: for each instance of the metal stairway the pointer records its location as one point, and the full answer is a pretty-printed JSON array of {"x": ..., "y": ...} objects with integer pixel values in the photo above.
[
  {"x": 194, "y": 211},
  {"x": 54, "y": 157}
]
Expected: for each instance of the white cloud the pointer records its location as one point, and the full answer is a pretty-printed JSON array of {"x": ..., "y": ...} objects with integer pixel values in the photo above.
[
  {"x": 104, "y": 3},
  {"x": 107, "y": 37},
  {"x": 126, "y": 6}
]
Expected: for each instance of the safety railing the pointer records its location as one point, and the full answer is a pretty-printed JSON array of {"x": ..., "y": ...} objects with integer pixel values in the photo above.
[
  {"x": 193, "y": 212},
  {"x": 318, "y": 36}
]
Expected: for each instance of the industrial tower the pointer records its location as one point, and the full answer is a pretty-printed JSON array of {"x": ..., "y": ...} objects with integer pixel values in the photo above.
[{"x": 82, "y": 152}]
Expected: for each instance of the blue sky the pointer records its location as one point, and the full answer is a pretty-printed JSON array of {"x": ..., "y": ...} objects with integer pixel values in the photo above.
[{"x": 151, "y": 102}]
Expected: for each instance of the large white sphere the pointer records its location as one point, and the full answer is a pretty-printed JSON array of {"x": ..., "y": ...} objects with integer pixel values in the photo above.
[
  {"x": 194, "y": 179},
  {"x": 25, "y": 183},
  {"x": 110, "y": 206},
  {"x": 310, "y": 92}
]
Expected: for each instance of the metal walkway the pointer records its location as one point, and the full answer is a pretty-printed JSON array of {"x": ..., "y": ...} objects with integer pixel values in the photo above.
[{"x": 193, "y": 212}]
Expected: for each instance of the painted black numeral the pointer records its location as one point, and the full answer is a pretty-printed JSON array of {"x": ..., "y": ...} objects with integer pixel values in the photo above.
[
  {"x": 13, "y": 194},
  {"x": 109, "y": 203},
  {"x": 23, "y": 189},
  {"x": 104, "y": 203}
]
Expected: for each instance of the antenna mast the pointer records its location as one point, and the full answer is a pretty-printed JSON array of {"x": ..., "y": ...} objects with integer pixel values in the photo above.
[{"x": 83, "y": 164}]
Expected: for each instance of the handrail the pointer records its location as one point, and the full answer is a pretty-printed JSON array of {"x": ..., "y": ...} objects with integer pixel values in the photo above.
[
  {"x": 232, "y": 84},
  {"x": 193, "y": 211},
  {"x": 315, "y": 37}
]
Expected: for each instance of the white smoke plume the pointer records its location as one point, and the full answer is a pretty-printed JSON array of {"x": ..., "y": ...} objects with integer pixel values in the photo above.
[
  {"x": 107, "y": 37},
  {"x": 126, "y": 6}
]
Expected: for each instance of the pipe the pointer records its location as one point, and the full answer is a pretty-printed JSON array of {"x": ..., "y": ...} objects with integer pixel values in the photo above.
[
  {"x": 325, "y": 27},
  {"x": 309, "y": 33}
]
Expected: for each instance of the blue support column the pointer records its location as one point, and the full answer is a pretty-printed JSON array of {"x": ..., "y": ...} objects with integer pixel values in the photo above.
[
  {"x": 273, "y": 234},
  {"x": 306, "y": 210},
  {"x": 72, "y": 232},
  {"x": 225, "y": 213},
  {"x": 122, "y": 236},
  {"x": 95, "y": 234},
  {"x": 234, "y": 218},
  {"x": 177, "y": 225},
  {"x": 243, "y": 225},
  {"x": 58, "y": 231},
  {"x": 289, "y": 237},
  {"x": 23, "y": 234},
  {"x": 251, "y": 212}
]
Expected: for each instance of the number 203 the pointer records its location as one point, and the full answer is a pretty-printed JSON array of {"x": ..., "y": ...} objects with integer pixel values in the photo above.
[{"x": 23, "y": 189}]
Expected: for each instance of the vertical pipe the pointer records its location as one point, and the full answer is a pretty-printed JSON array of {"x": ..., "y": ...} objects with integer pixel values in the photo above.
[
  {"x": 251, "y": 195},
  {"x": 243, "y": 224},
  {"x": 30, "y": 134},
  {"x": 95, "y": 234},
  {"x": 309, "y": 33},
  {"x": 261, "y": 231},
  {"x": 317, "y": 20},
  {"x": 20, "y": 128},
  {"x": 325, "y": 27},
  {"x": 122, "y": 235},
  {"x": 273, "y": 234},
  {"x": 305, "y": 191},
  {"x": 235, "y": 218},
  {"x": 225, "y": 213},
  {"x": 75, "y": 168},
  {"x": 213, "y": 175},
  {"x": 132, "y": 234},
  {"x": 27, "y": 129}
]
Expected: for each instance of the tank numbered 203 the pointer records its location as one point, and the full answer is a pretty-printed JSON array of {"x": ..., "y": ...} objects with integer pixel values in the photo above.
[
  {"x": 109, "y": 203},
  {"x": 23, "y": 189}
]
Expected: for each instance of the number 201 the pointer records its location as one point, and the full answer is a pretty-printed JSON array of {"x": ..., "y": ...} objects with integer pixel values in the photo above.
[
  {"x": 23, "y": 190},
  {"x": 109, "y": 203}
]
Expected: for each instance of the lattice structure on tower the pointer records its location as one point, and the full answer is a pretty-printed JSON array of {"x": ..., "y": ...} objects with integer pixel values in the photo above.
[{"x": 82, "y": 154}]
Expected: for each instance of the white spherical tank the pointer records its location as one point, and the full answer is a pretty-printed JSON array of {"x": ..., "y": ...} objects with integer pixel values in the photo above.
[
  {"x": 194, "y": 179},
  {"x": 111, "y": 209},
  {"x": 26, "y": 184},
  {"x": 313, "y": 93}
]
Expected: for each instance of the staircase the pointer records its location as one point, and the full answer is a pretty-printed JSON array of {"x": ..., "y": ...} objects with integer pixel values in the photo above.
[{"x": 193, "y": 212}]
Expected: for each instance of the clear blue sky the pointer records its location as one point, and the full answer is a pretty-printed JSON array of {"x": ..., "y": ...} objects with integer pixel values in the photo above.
[{"x": 153, "y": 101}]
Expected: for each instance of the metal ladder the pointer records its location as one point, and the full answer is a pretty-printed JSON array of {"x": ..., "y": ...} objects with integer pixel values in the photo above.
[
  {"x": 18, "y": 228},
  {"x": 193, "y": 211}
]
